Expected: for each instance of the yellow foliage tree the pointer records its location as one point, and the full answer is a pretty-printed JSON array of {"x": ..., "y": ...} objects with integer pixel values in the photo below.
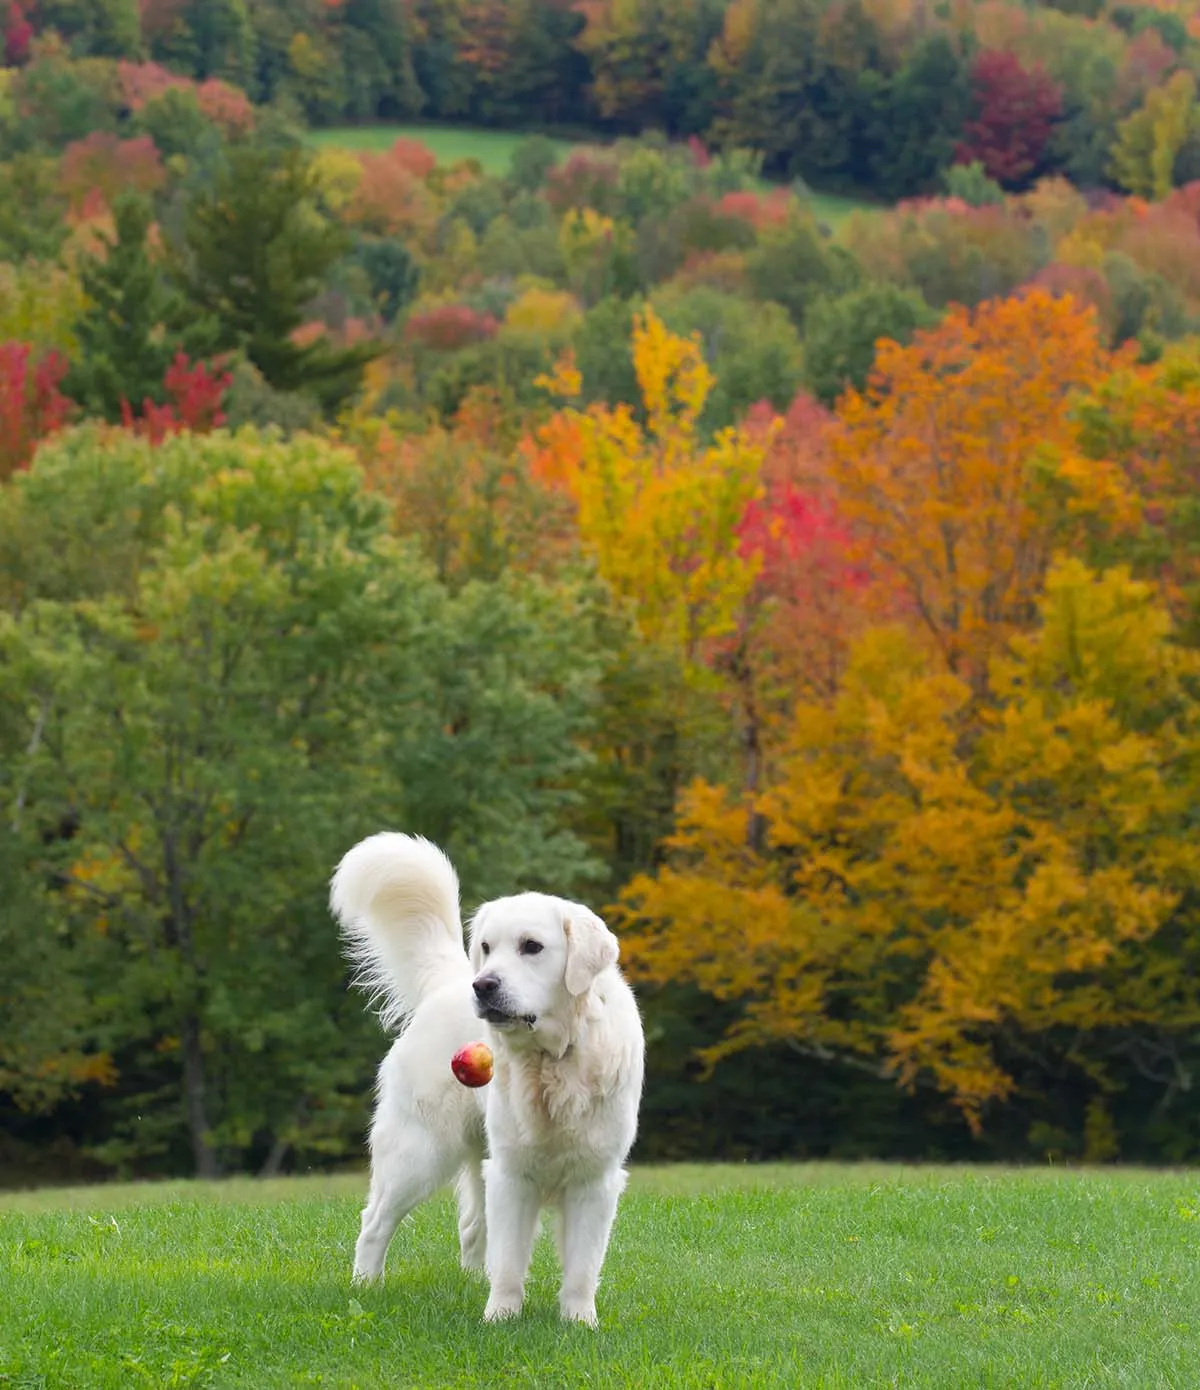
[
  {"x": 40, "y": 304},
  {"x": 592, "y": 245},
  {"x": 932, "y": 888},
  {"x": 338, "y": 174},
  {"x": 657, "y": 504},
  {"x": 1148, "y": 141},
  {"x": 540, "y": 310}
]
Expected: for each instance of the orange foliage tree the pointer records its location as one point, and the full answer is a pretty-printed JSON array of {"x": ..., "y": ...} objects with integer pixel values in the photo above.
[
  {"x": 465, "y": 495},
  {"x": 100, "y": 167},
  {"x": 392, "y": 196},
  {"x": 934, "y": 464}
]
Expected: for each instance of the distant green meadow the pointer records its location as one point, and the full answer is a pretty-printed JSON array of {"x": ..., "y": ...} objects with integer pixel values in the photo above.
[
  {"x": 448, "y": 144},
  {"x": 781, "y": 1276},
  {"x": 493, "y": 149}
]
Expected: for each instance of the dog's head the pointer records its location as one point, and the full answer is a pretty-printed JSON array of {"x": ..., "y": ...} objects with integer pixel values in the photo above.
[{"x": 535, "y": 957}]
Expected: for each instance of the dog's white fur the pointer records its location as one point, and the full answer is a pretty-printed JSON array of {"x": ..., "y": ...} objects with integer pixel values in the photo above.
[{"x": 560, "y": 1114}]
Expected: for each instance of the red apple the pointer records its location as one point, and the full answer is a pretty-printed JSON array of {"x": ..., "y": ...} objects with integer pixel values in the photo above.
[{"x": 473, "y": 1064}]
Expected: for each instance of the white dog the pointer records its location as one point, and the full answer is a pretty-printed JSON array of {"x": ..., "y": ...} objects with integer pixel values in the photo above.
[{"x": 560, "y": 1114}]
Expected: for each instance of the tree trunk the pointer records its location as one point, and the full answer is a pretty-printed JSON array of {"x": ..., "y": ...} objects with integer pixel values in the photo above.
[
  {"x": 273, "y": 1163},
  {"x": 280, "y": 1147},
  {"x": 756, "y": 826},
  {"x": 203, "y": 1153}
]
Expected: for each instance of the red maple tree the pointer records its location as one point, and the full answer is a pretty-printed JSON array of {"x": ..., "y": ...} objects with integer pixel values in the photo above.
[
  {"x": 31, "y": 405},
  {"x": 195, "y": 393},
  {"x": 448, "y": 327},
  {"x": 18, "y": 35},
  {"x": 1015, "y": 111}
]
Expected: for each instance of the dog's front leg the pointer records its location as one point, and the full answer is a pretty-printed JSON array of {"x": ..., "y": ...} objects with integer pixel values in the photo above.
[
  {"x": 587, "y": 1217},
  {"x": 512, "y": 1204}
]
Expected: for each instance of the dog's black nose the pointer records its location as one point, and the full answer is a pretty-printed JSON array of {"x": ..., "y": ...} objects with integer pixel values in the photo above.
[{"x": 486, "y": 985}]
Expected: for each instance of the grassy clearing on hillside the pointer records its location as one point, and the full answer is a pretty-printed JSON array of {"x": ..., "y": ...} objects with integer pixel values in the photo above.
[
  {"x": 493, "y": 149},
  {"x": 834, "y": 208},
  {"x": 806, "y": 1276}
]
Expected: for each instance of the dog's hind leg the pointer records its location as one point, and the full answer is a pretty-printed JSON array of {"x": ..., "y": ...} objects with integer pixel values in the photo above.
[
  {"x": 472, "y": 1217},
  {"x": 404, "y": 1172}
]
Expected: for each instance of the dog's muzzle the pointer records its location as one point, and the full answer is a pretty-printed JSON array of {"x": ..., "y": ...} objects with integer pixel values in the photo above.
[{"x": 491, "y": 1005}]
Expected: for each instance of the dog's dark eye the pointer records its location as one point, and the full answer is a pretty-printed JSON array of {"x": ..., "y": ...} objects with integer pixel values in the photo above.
[
  {"x": 484, "y": 948},
  {"x": 530, "y": 948}
]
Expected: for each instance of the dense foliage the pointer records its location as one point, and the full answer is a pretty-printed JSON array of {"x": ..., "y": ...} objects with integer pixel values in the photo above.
[
  {"x": 818, "y": 593},
  {"x": 880, "y": 94}
]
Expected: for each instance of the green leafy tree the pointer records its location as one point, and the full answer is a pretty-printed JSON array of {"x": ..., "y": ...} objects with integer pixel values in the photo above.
[
  {"x": 256, "y": 676},
  {"x": 1143, "y": 304},
  {"x": 224, "y": 37},
  {"x": 33, "y": 209},
  {"x": 766, "y": 64},
  {"x": 794, "y": 264},
  {"x": 256, "y": 248},
  {"x": 650, "y": 181},
  {"x": 46, "y": 1053},
  {"x": 392, "y": 274},
  {"x": 58, "y": 100},
  {"x": 840, "y": 334},
  {"x": 94, "y": 28},
  {"x": 530, "y": 163},
  {"x": 914, "y": 117},
  {"x": 754, "y": 349},
  {"x": 377, "y": 59},
  {"x": 250, "y": 401},
  {"x": 970, "y": 183},
  {"x": 134, "y": 322},
  {"x": 604, "y": 353},
  {"x": 176, "y": 124},
  {"x": 207, "y": 38}
]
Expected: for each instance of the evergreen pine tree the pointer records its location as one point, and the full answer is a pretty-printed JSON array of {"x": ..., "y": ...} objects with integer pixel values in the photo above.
[
  {"x": 256, "y": 249},
  {"x": 134, "y": 322}
]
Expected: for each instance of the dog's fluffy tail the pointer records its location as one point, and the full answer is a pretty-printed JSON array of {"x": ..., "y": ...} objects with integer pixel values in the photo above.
[{"x": 396, "y": 897}]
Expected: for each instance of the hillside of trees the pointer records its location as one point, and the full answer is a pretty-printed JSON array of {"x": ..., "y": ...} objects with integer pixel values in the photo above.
[
  {"x": 882, "y": 95},
  {"x": 819, "y": 601}
]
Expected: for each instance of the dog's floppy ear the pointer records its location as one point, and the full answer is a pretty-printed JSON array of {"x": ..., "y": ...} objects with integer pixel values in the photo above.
[
  {"x": 591, "y": 947},
  {"x": 474, "y": 933}
]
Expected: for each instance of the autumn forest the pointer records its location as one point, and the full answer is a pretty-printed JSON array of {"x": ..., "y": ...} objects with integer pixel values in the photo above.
[{"x": 763, "y": 504}]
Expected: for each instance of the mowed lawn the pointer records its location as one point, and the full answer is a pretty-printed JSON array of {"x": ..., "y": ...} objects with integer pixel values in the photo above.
[
  {"x": 493, "y": 149},
  {"x": 789, "y": 1276}
]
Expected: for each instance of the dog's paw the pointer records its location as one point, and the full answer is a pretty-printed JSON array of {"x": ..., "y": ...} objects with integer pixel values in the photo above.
[
  {"x": 362, "y": 1277},
  {"x": 498, "y": 1309},
  {"x": 585, "y": 1313}
]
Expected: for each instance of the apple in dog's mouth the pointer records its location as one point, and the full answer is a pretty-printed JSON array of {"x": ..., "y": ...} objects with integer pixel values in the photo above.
[{"x": 472, "y": 1065}]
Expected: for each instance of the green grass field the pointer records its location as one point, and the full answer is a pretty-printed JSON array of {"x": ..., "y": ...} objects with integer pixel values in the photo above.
[
  {"x": 805, "y": 1276},
  {"x": 493, "y": 149}
]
